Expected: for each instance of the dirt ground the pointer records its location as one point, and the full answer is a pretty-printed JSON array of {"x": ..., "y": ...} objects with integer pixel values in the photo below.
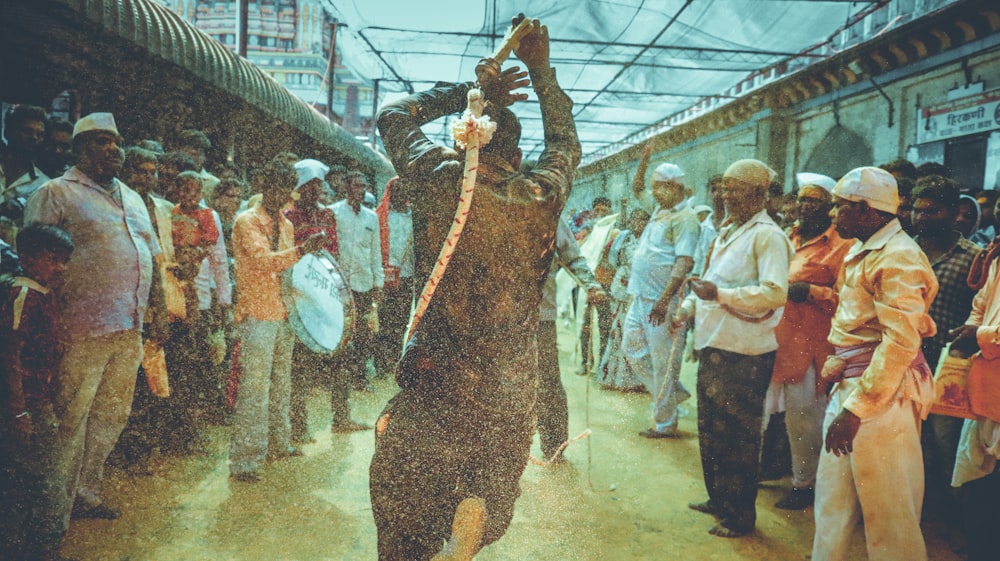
[{"x": 621, "y": 498}]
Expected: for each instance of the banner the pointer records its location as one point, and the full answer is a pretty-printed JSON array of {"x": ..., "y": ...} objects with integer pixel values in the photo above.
[{"x": 961, "y": 117}]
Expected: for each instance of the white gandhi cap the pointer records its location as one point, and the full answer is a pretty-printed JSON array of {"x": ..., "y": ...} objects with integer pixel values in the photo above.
[
  {"x": 875, "y": 186},
  {"x": 667, "y": 172},
  {"x": 96, "y": 122},
  {"x": 308, "y": 170}
]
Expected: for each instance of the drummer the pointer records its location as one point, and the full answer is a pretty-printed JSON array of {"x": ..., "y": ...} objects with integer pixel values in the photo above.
[
  {"x": 309, "y": 217},
  {"x": 263, "y": 247}
]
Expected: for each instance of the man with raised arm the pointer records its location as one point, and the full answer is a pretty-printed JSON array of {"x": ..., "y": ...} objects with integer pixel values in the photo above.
[{"x": 454, "y": 441}]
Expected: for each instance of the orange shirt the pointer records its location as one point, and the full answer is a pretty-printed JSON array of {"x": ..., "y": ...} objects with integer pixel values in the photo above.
[
  {"x": 805, "y": 326},
  {"x": 259, "y": 266}
]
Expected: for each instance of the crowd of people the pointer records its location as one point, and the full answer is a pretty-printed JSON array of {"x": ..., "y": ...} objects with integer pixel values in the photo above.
[
  {"x": 832, "y": 312},
  {"x": 115, "y": 255},
  {"x": 831, "y": 306}
]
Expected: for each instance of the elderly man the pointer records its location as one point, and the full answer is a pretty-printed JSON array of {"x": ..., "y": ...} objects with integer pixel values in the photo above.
[
  {"x": 456, "y": 438},
  {"x": 103, "y": 301},
  {"x": 873, "y": 465},
  {"x": 736, "y": 307},
  {"x": 662, "y": 261},
  {"x": 802, "y": 333}
]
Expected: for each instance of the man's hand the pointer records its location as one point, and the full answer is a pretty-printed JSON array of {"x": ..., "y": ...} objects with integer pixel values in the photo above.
[
  {"x": 706, "y": 290},
  {"x": 533, "y": 49},
  {"x": 596, "y": 296},
  {"x": 501, "y": 90},
  {"x": 840, "y": 435},
  {"x": 659, "y": 312},
  {"x": 798, "y": 292},
  {"x": 963, "y": 340},
  {"x": 647, "y": 151},
  {"x": 314, "y": 242},
  {"x": 676, "y": 322}
]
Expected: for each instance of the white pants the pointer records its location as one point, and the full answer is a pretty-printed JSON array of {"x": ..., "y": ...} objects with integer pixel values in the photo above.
[
  {"x": 96, "y": 385},
  {"x": 261, "y": 418},
  {"x": 883, "y": 479},
  {"x": 647, "y": 349},
  {"x": 805, "y": 408}
]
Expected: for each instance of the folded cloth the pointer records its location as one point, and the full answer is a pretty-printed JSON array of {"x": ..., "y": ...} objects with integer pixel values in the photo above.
[
  {"x": 851, "y": 362},
  {"x": 917, "y": 384}
]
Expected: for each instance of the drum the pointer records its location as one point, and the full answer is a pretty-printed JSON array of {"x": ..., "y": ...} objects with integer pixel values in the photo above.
[{"x": 319, "y": 302}]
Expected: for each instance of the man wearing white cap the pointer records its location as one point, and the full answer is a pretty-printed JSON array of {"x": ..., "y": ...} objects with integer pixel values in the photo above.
[
  {"x": 103, "y": 300},
  {"x": 662, "y": 261},
  {"x": 308, "y": 218},
  {"x": 802, "y": 333},
  {"x": 873, "y": 466},
  {"x": 736, "y": 306}
]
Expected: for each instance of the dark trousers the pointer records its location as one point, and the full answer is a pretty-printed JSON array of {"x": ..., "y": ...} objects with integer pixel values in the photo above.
[
  {"x": 393, "y": 316},
  {"x": 194, "y": 382},
  {"x": 731, "y": 391},
  {"x": 34, "y": 507},
  {"x": 551, "y": 410},
  {"x": 309, "y": 370},
  {"x": 361, "y": 347},
  {"x": 603, "y": 328},
  {"x": 432, "y": 453},
  {"x": 981, "y": 499}
]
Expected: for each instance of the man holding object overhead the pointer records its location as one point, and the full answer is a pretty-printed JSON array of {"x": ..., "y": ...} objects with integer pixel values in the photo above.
[{"x": 452, "y": 444}]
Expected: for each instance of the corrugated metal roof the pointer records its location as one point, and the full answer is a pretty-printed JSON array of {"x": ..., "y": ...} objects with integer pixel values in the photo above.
[{"x": 164, "y": 35}]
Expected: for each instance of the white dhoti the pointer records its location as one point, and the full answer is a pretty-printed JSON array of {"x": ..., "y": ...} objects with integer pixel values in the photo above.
[{"x": 882, "y": 478}]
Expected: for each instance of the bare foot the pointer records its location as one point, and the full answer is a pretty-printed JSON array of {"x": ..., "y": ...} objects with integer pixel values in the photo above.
[
  {"x": 723, "y": 531},
  {"x": 466, "y": 531}
]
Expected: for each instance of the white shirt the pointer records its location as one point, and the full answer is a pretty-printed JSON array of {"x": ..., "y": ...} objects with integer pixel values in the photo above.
[
  {"x": 214, "y": 273},
  {"x": 23, "y": 186},
  {"x": 671, "y": 233},
  {"x": 106, "y": 285},
  {"x": 360, "y": 247},
  {"x": 749, "y": 265},
  {"x": 401, "y": 242}
]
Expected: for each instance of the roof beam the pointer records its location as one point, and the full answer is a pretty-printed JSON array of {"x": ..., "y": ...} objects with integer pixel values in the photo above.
[{"x": 698, "y": 53}]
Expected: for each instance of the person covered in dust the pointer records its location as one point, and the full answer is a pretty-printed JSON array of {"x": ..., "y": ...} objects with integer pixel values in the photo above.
[{"x": 456, "y": 438}]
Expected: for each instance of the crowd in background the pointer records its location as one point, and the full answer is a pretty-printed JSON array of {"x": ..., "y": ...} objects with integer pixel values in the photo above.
[
  {"x": 170, "y": 317},
  {"x": 115, "y": 253}
]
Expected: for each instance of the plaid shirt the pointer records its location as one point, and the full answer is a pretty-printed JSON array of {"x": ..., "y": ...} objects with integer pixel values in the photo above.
[{"x": 954, "y": 299}]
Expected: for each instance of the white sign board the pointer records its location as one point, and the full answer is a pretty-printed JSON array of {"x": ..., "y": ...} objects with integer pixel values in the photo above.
[{"x": 961, "y": 117}]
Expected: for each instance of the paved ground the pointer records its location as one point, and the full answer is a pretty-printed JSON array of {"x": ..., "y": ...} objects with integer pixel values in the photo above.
[{"x": 622, "y": 498}]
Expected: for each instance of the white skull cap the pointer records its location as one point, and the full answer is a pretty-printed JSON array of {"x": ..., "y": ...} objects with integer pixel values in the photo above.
[
  {"x": 96, "y": 122},
  {"x": 819, "y": 180},
  {"x": 667, "y": 172},
  {"x": 308, "y": 170},
  {"x": 751, "y": 172},
  {"x": 875, "y": 186}
]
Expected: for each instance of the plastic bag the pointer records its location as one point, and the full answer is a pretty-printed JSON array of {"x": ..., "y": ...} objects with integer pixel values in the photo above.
[{"x": 154, "y": 364}]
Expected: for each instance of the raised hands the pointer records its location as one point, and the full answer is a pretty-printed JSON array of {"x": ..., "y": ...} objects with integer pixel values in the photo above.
[
  {"x": 533, "y": 48},
  {"x": 500, "y": 90}
]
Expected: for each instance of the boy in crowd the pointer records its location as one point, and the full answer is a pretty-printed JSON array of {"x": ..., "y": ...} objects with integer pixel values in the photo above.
[{"x": 34, "y": 506}]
